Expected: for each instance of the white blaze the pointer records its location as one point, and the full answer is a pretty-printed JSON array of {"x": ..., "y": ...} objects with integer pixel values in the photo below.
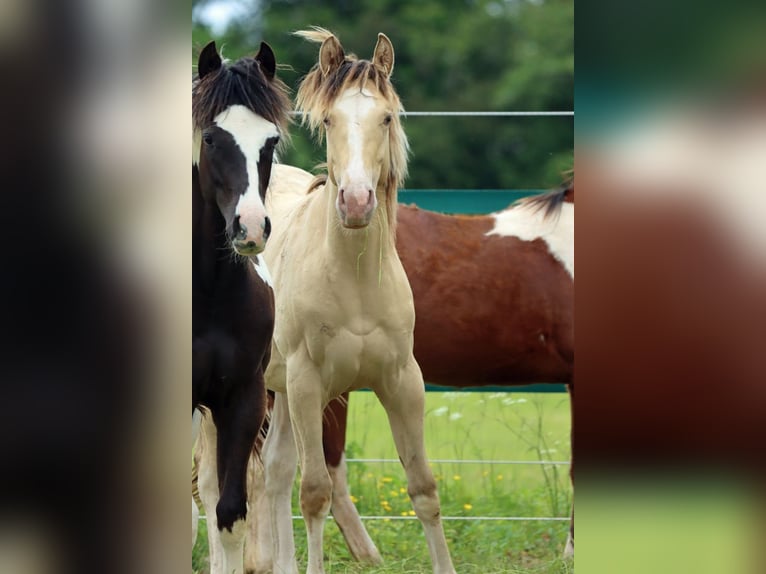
[
  {"x": 355, "y": 106},
  {"x": 530, "y": 224},
  {"x": 250, "y": 132}
]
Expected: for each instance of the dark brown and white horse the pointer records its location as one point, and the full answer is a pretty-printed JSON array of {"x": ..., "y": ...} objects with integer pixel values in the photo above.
[{"x": 239, "y": 112}]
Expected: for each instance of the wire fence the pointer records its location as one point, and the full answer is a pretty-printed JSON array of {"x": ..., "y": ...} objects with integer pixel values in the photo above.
[
  {"x": 386, "y": 518},
  {"x": 487, "y": 114}
]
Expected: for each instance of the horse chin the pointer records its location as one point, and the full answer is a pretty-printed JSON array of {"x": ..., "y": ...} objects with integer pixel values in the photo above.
[
  {"x": 355, "y": 223},
  {"x": 247, "y": 249},
  {"x": 350, "y": 222}
]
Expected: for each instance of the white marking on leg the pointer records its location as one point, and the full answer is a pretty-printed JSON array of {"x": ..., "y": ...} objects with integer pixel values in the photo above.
[
  {"x": 233, "y": 543},
  {"x": 528, "y": 225}
]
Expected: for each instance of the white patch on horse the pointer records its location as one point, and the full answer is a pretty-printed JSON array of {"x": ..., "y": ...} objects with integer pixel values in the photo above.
[
  {"x": 263, "y": 271},
  {"x": 233, "y": 542},
  {"x": 529, "y": 224},
  {"x": 354, "y": 105},
  {"x": 250, "y": 132},
  {"x": 196, "y": 145},
  {"x": 196, "y": 420}
]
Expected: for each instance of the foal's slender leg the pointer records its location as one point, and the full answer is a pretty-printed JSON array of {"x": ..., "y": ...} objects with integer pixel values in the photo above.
[
  {"x": 280, "y": 462},
  {"x": 569, "y": 548},
  {"x": 304, "y": 393},
  {"x": 207, "y": 480},
  {"x": 238, "y": 427},
  {"x": 405, "y": 406},
  {"x": 196, "y": 421},
  {"x": 258, "y": 542},
  {"x": 343, "y": 510}
]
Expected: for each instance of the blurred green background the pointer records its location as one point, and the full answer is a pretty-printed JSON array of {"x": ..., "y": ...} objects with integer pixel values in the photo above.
[{"x": 457, "y": 55}]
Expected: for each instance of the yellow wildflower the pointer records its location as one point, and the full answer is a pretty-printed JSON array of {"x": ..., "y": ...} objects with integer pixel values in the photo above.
[
  {"x": 456, "y": 477},
  {"x": 468, "y": 506}
]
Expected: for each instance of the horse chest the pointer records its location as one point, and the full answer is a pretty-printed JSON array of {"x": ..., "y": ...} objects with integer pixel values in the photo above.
[{"x": 348, "y": 360}]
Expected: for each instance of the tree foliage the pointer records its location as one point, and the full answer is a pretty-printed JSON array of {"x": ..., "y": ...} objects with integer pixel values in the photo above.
[{"x": 450, "y": 55}]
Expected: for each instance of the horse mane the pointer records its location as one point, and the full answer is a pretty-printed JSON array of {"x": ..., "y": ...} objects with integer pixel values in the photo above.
[
  {"x": 240, "y": 83},
  {"x": 318, "y": 181},
  {"x": 317, "y": 93}
]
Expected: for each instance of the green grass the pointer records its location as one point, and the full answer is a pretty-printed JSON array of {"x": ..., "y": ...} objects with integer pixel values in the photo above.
[{"x": 476, "y": 426}]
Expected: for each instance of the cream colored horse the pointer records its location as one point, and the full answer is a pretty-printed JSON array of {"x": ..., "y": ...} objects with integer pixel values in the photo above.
[{"x": 345, "y": 314}]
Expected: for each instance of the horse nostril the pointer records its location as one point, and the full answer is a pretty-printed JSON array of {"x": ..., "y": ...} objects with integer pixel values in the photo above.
[
  {"x": 266, "y": 228},
  {"x": 341, "y": 194},
  {"x": 369, "y": 197}
]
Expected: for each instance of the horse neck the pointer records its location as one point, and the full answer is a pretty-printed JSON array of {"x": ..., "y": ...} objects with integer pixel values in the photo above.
[{"x": 364, "y": 250}]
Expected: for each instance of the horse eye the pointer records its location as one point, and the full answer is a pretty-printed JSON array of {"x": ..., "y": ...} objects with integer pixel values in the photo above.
[
  {"x": 208, "y": 139},
  {"x": 326, "y": 122},
  {"x": 387, "y": 120}
]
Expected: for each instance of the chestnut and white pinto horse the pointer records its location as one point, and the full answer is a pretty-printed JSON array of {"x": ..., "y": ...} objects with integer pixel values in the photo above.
[{"x": 345, "y": 314}]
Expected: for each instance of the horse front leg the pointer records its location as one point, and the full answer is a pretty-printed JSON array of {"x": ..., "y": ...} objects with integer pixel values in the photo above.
[
  {"x": 237, "y": 430},
  {"x": 405, "y": 407},
  {"x": 280, "y": 461},
  {"x": 304, "y": 393},
  {"x": 343, "y": 509},
  {"x": 196, "y": 422},
  {"x": 209, "y": 491},
  {"x": 259, "y": 543}
]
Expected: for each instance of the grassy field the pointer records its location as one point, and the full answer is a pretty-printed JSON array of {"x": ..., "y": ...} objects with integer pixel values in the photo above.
[{"x": 460, "y": 426}]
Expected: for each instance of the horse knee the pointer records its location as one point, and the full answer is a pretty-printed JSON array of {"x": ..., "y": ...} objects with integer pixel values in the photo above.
[
  {"x": 425, "y": 500},
  {"x": 316, "y": 495},
  {"x": 229, "y": 511}
]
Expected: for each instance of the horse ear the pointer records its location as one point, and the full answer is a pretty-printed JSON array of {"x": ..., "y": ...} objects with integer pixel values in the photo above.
[
  {"x": 383, "y": 57},
  {"x": 209, "y": 60},
  {"x": 330, "y": 55},
  {"x": 268, "y": 61}
]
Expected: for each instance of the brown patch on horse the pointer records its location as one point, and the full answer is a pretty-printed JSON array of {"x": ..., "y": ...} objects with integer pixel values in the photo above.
[{"x": 490, "y": 309}]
